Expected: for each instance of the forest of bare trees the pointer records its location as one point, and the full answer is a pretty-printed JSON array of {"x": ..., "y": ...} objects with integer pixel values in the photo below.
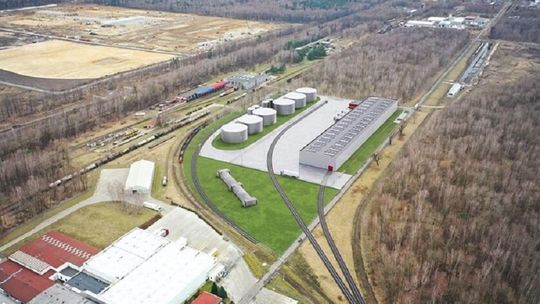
[
  {"x": 398, "y": 64},
  {"x": 456, "y": 217},
  {"x": 298, "y": 11},
  {"x": 519, "y": 24},
  {"x": 36, "y": 151}
]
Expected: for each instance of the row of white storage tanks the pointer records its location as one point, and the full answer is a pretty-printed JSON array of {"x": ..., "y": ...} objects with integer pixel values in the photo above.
[{"x": 258, "y": 117}]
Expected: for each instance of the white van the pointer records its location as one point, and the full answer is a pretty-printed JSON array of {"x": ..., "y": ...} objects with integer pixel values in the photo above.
[{"x": 152, "y": 206}]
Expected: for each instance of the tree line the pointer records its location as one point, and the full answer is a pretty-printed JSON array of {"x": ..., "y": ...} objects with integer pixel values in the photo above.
[
  {"x": 398, "y": 64},
  {"x": 455, "y": 219},
  {"x": 520, "y": 24}
]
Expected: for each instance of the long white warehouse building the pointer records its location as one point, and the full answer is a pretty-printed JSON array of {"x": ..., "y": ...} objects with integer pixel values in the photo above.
[{"x": 337, "y": 143}]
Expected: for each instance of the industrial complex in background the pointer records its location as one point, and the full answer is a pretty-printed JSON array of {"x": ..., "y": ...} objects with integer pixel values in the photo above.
[
  {"x": 450, "y": 22},
  {"x": 139, "y": 267}
]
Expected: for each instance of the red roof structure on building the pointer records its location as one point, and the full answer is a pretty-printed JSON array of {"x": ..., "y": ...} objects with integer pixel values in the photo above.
[
  {"x": 21, "y": 283},
  {"x": 55, "y": 249},
  {"x": 207, "y": 298}
]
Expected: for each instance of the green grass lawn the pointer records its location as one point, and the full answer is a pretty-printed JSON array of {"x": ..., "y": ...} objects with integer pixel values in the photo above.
[
  {"x": 270, "y": 222},
  {"x": 220, "y": 144},
  {"x": 365, "y": 151},
  {"x": 97, "y": 225}
]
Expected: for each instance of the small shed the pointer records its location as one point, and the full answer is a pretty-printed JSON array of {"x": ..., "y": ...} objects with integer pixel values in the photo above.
[{"x": 140, "y": 177}]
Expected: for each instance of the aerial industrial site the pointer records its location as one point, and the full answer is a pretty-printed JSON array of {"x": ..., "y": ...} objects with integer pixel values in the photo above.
[{"x": 268, "y": 152}]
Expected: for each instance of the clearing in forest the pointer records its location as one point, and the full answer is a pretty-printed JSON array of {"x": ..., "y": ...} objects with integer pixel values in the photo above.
[{"x": 55, "y": 59}]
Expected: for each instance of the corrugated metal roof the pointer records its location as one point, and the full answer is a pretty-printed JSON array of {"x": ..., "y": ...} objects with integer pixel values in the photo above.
[
  {"x": 334, "y": 139},
  {"x": 55, "y": 249},
  {"x": 141, "y": 174}
]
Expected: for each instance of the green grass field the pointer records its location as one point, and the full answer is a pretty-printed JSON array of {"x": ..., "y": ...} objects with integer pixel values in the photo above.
[
  {"x": 361, "y": 155},
  {"x": 220, "y": 144},
  {"x": 97, "y": 225},
  {"x": 269, "y": 221}
]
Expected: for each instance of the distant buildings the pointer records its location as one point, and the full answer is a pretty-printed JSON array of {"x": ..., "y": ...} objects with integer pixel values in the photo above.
[
  {"x": 247, "y": 81},
  {"x": 449, "y": 22}
]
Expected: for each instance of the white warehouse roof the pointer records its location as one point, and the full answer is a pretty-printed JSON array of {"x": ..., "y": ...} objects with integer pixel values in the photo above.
[
  {"x": 124, "y": 255},
  {"x": 172, "y": 275},
  {"x": 141, "y": 174}
]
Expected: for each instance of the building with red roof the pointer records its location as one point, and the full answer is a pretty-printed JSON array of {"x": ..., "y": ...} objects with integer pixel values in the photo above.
[
  {"x": 21, "y": 283},
  {"x": 34, "y": 267},
  {"x": 56, "y": 249},
  {"x": 207, "y": 298}
]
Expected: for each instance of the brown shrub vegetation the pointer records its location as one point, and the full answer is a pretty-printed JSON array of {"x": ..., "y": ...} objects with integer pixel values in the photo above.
[{"x": 456, "y": 219}]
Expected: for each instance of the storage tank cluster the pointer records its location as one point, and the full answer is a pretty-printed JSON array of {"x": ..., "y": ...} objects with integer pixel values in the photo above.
[
  {"x": 254, "y": 123},
  {"x": 284, "y": 106},
  {"x": 234, "y": 133},
  {"x": 311, "y": 93},
  {"x": 299, "y": 99},
  {"x": 268, "y": 115}
]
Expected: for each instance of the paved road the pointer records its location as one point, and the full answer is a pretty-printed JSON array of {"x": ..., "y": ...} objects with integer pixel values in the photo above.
[{"x": 102, "y": 194}]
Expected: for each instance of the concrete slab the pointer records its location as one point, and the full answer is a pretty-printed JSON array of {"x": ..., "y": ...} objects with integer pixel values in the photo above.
[{"x": 287, "y": 150}]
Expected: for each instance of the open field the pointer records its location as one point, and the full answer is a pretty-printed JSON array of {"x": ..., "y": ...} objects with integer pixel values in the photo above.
[
  {"x": 269, "y": 221},
  {"x": 152, "y": 30},
  {"x": 67, "y": 60},
  {"x": 97, "y": 225}
]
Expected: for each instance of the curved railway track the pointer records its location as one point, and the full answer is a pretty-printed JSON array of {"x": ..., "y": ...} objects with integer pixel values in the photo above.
[
  {"x": 330, "y": 240},
  {"x": 335, "y": 275},
  {"x": 206, "y": 199}
]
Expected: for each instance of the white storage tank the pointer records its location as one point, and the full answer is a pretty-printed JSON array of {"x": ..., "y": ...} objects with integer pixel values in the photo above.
[
  {"x": 250, "y": 110},
  {"x": 268, "y": 116},
  {"x": 234, "y": 133},
  {"x": 284, "y": 106},
  {"x": 266, "y": 103},
  {"x": 253, "y": 122},
  {"x": 299, "y": 99},
  {"x": 311, "y": 93}
]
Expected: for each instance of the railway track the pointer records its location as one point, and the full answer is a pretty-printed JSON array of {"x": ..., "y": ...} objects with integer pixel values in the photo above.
[
  {"x": 330, "y": 240},
  {"x": 206, "y": 199},
  {"x": 335, "y": 275}
]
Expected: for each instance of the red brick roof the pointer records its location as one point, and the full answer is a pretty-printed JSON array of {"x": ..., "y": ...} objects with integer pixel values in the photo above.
[
  {"x": 207, "y": 298},
  {"x": 21, "y": 283},
  {"x": 56, "y": 248}
]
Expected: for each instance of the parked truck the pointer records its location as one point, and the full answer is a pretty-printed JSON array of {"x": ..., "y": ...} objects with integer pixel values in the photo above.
[{"x": 152, "y": 206}]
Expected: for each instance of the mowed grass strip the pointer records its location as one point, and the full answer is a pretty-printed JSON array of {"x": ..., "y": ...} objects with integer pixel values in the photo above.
[
  {"x": 97, "y": 225},
  {"x": 280, "y": 120},
  {"x": 365, "y": 151},
  {"x": 270, "y": 222}
]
